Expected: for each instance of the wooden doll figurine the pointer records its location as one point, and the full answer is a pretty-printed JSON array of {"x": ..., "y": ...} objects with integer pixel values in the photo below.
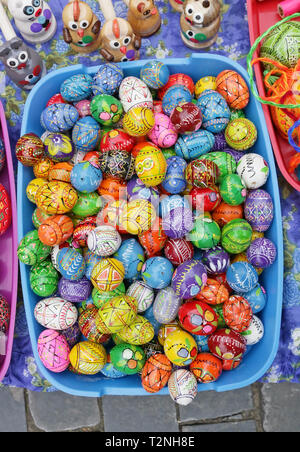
[
  {"x": 143, "y": 16},
  {"x": 34, "y": 19},
  {"x": 200, "y": 22},
  {"x": 177, "y": 5},
  {"x": 81, "y": 27},
  {"x": 118, "y": 41}
]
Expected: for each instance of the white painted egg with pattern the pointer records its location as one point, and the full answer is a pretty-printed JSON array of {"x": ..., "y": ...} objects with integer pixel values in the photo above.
[
  {"x": 104, "y": 241},
  {"x": 253, "y": 170},
  {"x": 143, "y": 293},
  {"x": 134, "y": 92},
  {"x": 55, "y": 313},
  {"x": 255, "y": 332},
  {"x": 182, "y": 387}
]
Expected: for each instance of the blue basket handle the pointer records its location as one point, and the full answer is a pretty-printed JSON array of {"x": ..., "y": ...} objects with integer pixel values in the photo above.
[{"x": 290, "y": 135}]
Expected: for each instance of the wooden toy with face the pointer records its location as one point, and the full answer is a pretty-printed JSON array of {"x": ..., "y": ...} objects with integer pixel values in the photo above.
[
  {"x": 81, "y": 27},
  {"x": 200, "y": 22},
  {"x": 143, "y": 16}
]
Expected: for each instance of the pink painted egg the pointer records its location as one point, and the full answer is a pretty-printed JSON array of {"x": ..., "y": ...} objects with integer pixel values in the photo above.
[
  {"x": 53, "y": 351},
  {"x": 163, "y": 133}
]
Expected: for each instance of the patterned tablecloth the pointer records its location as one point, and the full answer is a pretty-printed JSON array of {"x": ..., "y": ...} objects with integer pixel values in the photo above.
[{"x": 233, "y": 41}]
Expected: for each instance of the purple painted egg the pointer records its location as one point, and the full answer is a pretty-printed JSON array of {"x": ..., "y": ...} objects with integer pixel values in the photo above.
[
  {"x": 136, "y": 189},
  {"x": 189, "y": 278},
  {"x": 259, "y": 210},
  {"x": 216, "y": 260},
  {"x": 72, "y": 335},
  {"x": 262, "y": 253},
  {"x": 237, "y": 155},
  {"x": 178, "y": 222},
  {"x": 220, "y": 142},
  {"x": 75, "y": 291}
]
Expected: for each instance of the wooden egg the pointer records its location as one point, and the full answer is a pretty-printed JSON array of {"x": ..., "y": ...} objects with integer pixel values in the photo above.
[
  {"x": 206, "y": 233},
  {"x": 153, "y": 240},
  {"x": 198, "y": 318},
  {"x": 77, "y": 87},
  {"x": 88, "y": 358},
  {"x": 118, "y": 164},
  {"x": 87, "y": 325},
  {"x": 236, "y": 236},
  {"x": 107, "y": 110},
  {"x": 33, "y": 187},
  {"x": 55, "y": 230},
  {"x": 104, "y": 240},
  {"x": 55, "y": 313},
  {"x": 156, "y": 373},
  {"x": 253, "y": 170},
  {"x": 128, "y": 358},
  {"x": 53, "y": 350},
  {"x": 205, "y": 199},
  {"x": 177, "y": 79},
  {"x": 44, "y": 279},
  {"x": 166, "y": 305},
  {"x": 182, "y": 387},
  {"x": 259, "y": 210},
  {"x": 207, "y": 368},
  {"x": 178, "y": 251},
  {"x": 214, "y": 293},
  {"x": 71, "y": 264},
  {"x": 237, "y": 313},
  {"x": 163, "y": 133},
  {"x": 241, "y": 134},
  {"x": 108, "y": 274},
  {"x": 234, "y": 89},
  {"x": 86, "y": 134},
  {"x": 224, "y": 213},
  {"x": 75, "y": 291},
  {"x": 242, "y": 277},
  {"x": 143, "y": 293},
  {"x": 108, "y": 79},
  {"x": 157, "y": 272},
  {"x": 87, "y": 205},
  {"x": 138, "y": 216},
  {"x": 202, "y": 173},
  {"x": 59, "y": 118},
  {"x": 233, "y": 190},
  {"x": 165, "y": 330},
  {"x": 138, "y": 121},
  {"x": 155, "y": 74},
  {"x": 139, "y": 332},
  {"x": 133, "y": 92},
  {"x": 225, "y": 162},
  {"x": 181, "y": 348},
  {"x": 186, "y": 117},
  {"x": 216, "y": 260},
  {"x": 189, "y": 278},
  {"x": 255, "y": 331},
  {"x": 61, "y": 172},
  {"x": 116, "y": 140},
  {"x": 208, "y": 82},
  {"x": 112, "y": 189},
  {"x": 42, "y": 168},
  {"x": 29, "y": 149},
  {"x": 5, "y": 210},
  {"x": 215, "y": 111},
  {"x": 262, "y": 252},
  {"x": 83, "y": 108},
  {"x": 56, "y": 197},
  {"x": 227, "y": 344},
  {"x": 191, "y": 146},
  {"x": 31, "y": 250},
  {"x": 151, "y": 166},
  {"x": 82, "y": 231}
]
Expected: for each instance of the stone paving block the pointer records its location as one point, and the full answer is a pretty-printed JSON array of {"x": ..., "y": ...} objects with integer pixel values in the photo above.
[
  {"x": 281, "y": 407},
  {"x": 224, "y": 427},
  {"x": 139, "y": 414},
  {"x": 57, "y": 411},
  {"x": 212, "y": 405},
  {"x": 13, "y": 414}
]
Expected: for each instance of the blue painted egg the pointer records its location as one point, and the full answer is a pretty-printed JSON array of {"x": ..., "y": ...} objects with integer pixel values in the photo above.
[
  {"x": 136, "y": 189},
  {"x": 91, "y": 260},
  {"x": 192, "y": 146},
  {"x": 174, "y": 96},
  {"x": 257, "y": 298},
  {"x": 132, "y": 256},
  {"x": 70, "y": 264},
  {"x": 86, "y": 177},
  {"x": 59, "y": 118},
  {"x": 107, "y": 80},
  {"x": 215, "y": 111},
  {"x": 155, "y": 74},
  {"x": 86, "y": 134},
  {"x": 2, "y": 154},
  {"x": 242, "y": 277},
  {"x": 157, "y": 272},
  {"x": 259, "y": 210},
  {"x": 59, "y": 147},
  {"x": 149, "y": 315},
  {"x": 110, "y": 371},
  {"x": 77, "y": 88},
  {"x": 172, "y": 202},
  {"x": 175, "y": 181}
]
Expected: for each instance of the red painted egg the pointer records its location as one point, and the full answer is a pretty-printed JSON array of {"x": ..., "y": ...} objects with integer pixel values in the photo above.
[
  {"x": 231, "y": 364},
  {"x": 205, "y": 199},
  {"x": 237, "y": 313},
  {"x": 4, "y": 315},
  {"x": 56, "y": 99},
  {"x": 227, "y": 344},
  {"x": 5, "y": 210},
  {"x": 82, "y": 231},
  {"x": 177, "y": 79},
  {"x": 154, "y": 240},
  {"x": 186, "y": 117},
  {"x": 213, "y": 293},
  {"x": 207, "y": 368},
  {"x": 88, "y": 327},
  {"x": 178, "y": 251},
  {"x": 29, "y": 149},
  {"x": 116, "y": 140},
  {"x": 198, "y": 318}
]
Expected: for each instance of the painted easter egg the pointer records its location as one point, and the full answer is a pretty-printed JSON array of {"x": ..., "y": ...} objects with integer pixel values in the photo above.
[
  {"x": 53, "y": 350},
  {"x": 236, "y": 236},
  {"x": 153, "y": 240},
  {"x": 175, "y": 95},
  {"x": 88, "y": 358},
  {"x": 139, "y": 332},
  {"x": 136, "y": 189},
  {"x": 177, "y": 79},
  {"x": 206, "y": 233},
  {"x": 253, "y": 170},
  {"x": 59, "y": 118},
  {"x": 202, "y": 173},
  {"x": 215, "y": 111},
  {"x": 5, "y": 210},
  {"x": 116, "y": 140},
  {"x": 112, "y": 189},
  {"x": 166, "y": 329},
  {"x": 138, "y": 121},
  {"x": 42, "y": 168},
  {"x": 88, "y": 328},
  {"x": 128, "y": 358},
  {"x": 225, "y": 162},
  {"x": 205, "y": 199},
  {"x": 205, "y": 83},
  {"x": 110, "y": 371},
  {"x": 31, "y": 250},
  {"x": 55, "y": 230},
  {"x": 178, "y": 251},
  {"x": 77, "y": 87},
  {"x": 178, "y": 222},
  {"x": 186, "y": 118},
  {"x": 29, "y": 149},
  {"x": 55, "y": 313},
  {"x": 156, "y": 373},
  {"x": 119, "y": 164},
  {"x": 227, "y": 344},
  {"x": 213, "y": 293},
  {"x": 100, "y": 298},
  {"x": 86, "y": 177},
  {"x": 242, "y": 277},
  {"x": 163, "y": 133},
  {"x": 133, "y": 92},
  {"x": 33, "y": 187},
  {"x": 106, "y": 109},
  {"x": 71, "y": 264},
  {"x": 107, "y": 79},
  {"x": 166, "y": 305},
  {"x": 157, "y": 272},
  {"x": 259, "y": 210},
  {"x": 4, "y": 315},
  {"x": 104, "y": 240},
  {"x": 224, "y": 213},
  {"x": 155, "y": 74},
  {"x": 233, "y": 88},
  {"x": 131, "y": 254},
  {"x": 72, "y": 334},
  {"x": 56, "y": 197},
  {"x": 142, "y": 293},
  {"x": 262, "y": 253},
  {"x": 151, "y": 166},
  {"x": 44, "y": 279},
  {"x": 112, "y": 214},
  {"x": 255, "y": 332},
  {"x": 241, "y": 134},
  {"x": 116, "y": 313},
  {"x": 207, "y": 368},
  {"x": 175, "y": 181},
  {"x": 189, "y": 278},
  {"x": 82, "y": 230},
  {"x": 2, "y": 155},
  {"x": 168, "y": 203},
  {"x": 75, "y": 291},
  {"x": 88, "y": 204},
  {"x": 91, "y": 260},
  {"x": 182, "y": 387},
  {"x": 198, "y": 318},
  {"x": 237, "y": 313},
  {"x": 61, "y": 172},
  {"x": 233, "y": 190},
  {"x": 138, "y": 216},
  {"x": 180, "y": 347},
  {"x": 86, "y": 134},
  {"x": 257, "y": 298},
  {"x": 216, "y": 260},
  {"x": 108, "y": 274},
  {"x": 83, "y": 108}
]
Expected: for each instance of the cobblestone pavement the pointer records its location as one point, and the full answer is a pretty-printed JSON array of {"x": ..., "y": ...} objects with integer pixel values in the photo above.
[{"x": 258, "y": 408}]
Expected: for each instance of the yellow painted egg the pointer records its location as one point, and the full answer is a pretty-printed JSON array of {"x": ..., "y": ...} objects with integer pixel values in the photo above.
[
  {"x": 33, "y": 187},
  {"x": 108, "y": 274},
  {"x": 138, "y": 216},
  {"x": 139, "y": 121},
  {"x": 88, "y": 358},
  {"x": 151, "y": 166},
  {"x": 204, "y": 83},
  {"x": 116, "y": 314},
  {"x": 181, "y": 348},
  {"x": 139, "y": 332},
  {"x": 167, "y": 329},
  {"x": 42, "y": 168},
  {"x": 257, "y": 235},
  {"x": 56, "y": 197}
]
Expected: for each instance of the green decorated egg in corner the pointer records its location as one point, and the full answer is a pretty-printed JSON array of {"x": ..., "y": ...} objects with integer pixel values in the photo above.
[
  {"x": 224, "y": 161},
  {"x": 128, "y": 358},
  {"x": 236, "y": 236},
  {"x": 38, "y": 217},
  {"x": 87, "y": 205},
  {"x": 100, "y": 298},
  {"x": 31, "y": 250},
  {"x": 44, "y": 279},
  {"x": 206, "y": 233},
  {"x": 233, "y": 190},
  {"x": 106, "y": 109}
]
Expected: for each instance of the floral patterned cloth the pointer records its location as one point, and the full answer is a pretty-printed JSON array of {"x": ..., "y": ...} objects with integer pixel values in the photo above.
[{"x": 233, "y": 41}]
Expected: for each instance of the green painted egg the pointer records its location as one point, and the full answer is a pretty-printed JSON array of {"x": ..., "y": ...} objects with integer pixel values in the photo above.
[
  {"x": 236, "y": 236},
  {"x": 168, "y": 153},
  {"x": 100, "y": 298},
  {"x": 235, "y": 114},
  {"x": 224, "y": 161},
  {"x": 38, "y": 217},
  {"x": 206, "y": 233},
  {"x": 219, "y": 311},
  {"x": 107, "y": 110},
  {"x": 31, "y": 250},
  {"x": 44, "y": 279},
  {"x": 88, "y": 204},
  {"x": 128, "y": 358},
  {"x": 233, "y": 190}
]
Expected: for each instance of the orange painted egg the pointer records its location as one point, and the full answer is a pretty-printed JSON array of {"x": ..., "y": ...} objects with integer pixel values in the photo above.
[
  {"x": 55, "y": 230},
  {"x": 112, "y": 189},
  {"x": 156, "y": 373},
  {"x": 207, "y": 368},
  {"x": 56, "y": 197},
  {"x": 213, "y": 293},
  {"x": 61, "y": 172},
  {"x": 153, "y": 240},
  {"x": 225, "y": 213},
  {"x": 237, "y": 313},
  {"x": 234, "y": 89}
]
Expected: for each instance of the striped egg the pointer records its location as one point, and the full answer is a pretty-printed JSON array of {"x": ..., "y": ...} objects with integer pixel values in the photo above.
[
  {"x": 55, "y": 313},
  {"x": 76, "y": 88}
]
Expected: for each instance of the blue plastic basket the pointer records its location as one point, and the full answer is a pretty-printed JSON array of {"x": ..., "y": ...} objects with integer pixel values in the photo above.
[{"x": 261, "y": 356}]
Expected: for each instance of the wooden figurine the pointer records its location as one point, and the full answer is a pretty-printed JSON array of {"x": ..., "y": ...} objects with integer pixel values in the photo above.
[
  {"x": 23, "y": 65},
  {"x": 177, "y": 5},
  {"x": 34, "y": 19},
  {"x": 118, "y": 41},
  {"x": 81, "y": 27},
  {"x": 144, "y": 17},
  {"x": 200, "y": 22}
]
